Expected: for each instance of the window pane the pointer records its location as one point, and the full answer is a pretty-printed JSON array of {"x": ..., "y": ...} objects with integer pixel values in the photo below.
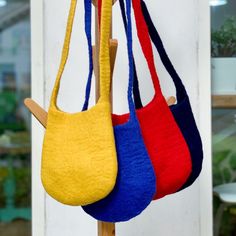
[
  {"x": 15, "y": 149},
  {"x": 223, "y": 27}
]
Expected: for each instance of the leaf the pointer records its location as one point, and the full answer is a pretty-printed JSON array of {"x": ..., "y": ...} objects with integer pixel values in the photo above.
[
  {"x": 227, "y": 175},
  {"x": 224, "y": 39},
  {"x": 233, "y": 161}
]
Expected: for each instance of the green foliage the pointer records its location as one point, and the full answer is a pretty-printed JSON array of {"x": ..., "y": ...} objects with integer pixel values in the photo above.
[
  {"x": 219, "y": 175},
  {"x": 227, "y": 175},
  {"x": 23, "y": 187},
  {"x": 227, "y": 228},
  {"x": 218, "y": 157},
  {"x": 224, "y": 168},
  {"x": 224, "y": 39},
  {"x": 233, "y": 162},
  {"x": 8, "y": 112}
]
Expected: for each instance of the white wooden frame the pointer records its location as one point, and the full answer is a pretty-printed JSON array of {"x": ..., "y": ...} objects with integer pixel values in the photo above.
[
  {"x": 204, "y": 52},
  {"x": 38, "y": 91}
]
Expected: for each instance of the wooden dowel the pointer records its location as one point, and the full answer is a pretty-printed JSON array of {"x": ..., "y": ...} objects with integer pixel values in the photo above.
[
  {"x": 104, "y": 229},
  {"x": 41, "y": 115},
  {"x": 38, "y": 112}
]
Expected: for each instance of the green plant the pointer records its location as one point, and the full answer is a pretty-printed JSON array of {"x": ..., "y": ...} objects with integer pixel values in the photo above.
[
  {"x": 23, "y": 187},
  {"x": 224, "y": 39},
  {"x": 224, "y": 171}
]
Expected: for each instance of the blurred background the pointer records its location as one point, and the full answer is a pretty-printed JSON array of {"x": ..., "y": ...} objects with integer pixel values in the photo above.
[
  {"x": 15, "y": 147},
  {"x": 223, "y": 62}
]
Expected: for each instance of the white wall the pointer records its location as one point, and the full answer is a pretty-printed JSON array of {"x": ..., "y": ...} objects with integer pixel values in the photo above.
[{"x": 179, "y": 23}]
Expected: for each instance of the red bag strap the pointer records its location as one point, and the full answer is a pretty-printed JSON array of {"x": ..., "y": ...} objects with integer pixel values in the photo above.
[
  {"x": 99, "y": 13},
  {"x": 145, "y": 41}
]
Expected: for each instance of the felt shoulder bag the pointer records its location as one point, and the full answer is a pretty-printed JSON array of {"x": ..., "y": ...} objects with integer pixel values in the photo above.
[
  {"x": 135, "y": 186},
  {"x": 181, "y": 111},
  {"x": 79, "y": 163},
  {"x": 164, "y": 141}
]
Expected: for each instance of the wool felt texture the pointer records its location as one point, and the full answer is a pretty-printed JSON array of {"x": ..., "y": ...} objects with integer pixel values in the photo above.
[
  {"x": 136, "y": 185},
  {"x": 181, "y": 111},
  {"x": 79, "y": 162},
  {"x": 164, "y": 141}
]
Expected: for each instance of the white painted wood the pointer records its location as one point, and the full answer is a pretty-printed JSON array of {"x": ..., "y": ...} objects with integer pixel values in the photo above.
[
  {"x": 206, "y": 201},
  {"x": 37, "y": 90}
]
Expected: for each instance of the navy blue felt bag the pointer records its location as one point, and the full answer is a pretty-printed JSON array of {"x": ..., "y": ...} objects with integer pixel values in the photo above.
[
  {"x": 136, "y": 183},
  {"x": 181, "y": 111}
]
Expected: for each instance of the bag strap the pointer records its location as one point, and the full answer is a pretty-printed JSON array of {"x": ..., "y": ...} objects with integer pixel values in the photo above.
[
  {"x": 104, "y": 55},
  {"x": 143, "y": 35},
  {"x": 128, "y": 32},
  {"x": 181, "y": 92},
  {"x": 131, "y": 60},
  {"x": 65, "y": 52},
  {"x": 156, "y": 39},
  {"x": 130, "y": 56},
  {"x": 137, "y": 97},
  {"x": 88, "y": 20}
]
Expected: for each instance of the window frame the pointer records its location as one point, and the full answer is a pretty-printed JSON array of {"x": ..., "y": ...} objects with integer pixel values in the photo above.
[{"x": 37, "y": 93}]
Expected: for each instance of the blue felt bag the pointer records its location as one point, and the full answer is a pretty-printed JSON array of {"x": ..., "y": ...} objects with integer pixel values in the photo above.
[
  {"x": 181, "y": 111},
  {"x": 136, "y": 183}
]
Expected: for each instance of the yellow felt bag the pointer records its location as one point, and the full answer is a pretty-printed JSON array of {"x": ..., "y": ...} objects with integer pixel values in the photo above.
[{"x": 79, "y": 164}]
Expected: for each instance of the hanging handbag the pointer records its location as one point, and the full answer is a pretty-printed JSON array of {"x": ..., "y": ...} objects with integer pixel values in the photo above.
[
  {"x": 164, "y": 141},
  {"x": 79, "y": 163},
  {"x": 135, "y": 186},
  {"x": 181, "y": 111}
]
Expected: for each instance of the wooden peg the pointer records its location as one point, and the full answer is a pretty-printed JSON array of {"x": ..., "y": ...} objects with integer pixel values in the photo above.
[
  {"x": 41, "y": 115},
  {"x": 171, "y": 101},
  {"x": 37, "y": 111}
]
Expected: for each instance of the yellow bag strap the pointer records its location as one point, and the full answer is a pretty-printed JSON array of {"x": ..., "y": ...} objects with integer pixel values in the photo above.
[
  {"x": 104, "y": 58},
  {"x": 65, "y": 51}
]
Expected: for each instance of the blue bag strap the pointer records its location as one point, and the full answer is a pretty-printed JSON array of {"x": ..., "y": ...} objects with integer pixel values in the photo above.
[
  {"x": 155, "y": 37},
  {"x": 137, "y": 100},
  {"x": 87, "y": 4},
  {"x": 88, "y": 20}
]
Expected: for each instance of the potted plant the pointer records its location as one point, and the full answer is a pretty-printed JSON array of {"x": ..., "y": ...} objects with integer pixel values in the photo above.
[{"x": 223, "y": 50}]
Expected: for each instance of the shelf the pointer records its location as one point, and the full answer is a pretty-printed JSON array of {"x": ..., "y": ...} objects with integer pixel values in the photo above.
[{"x": 224, "y": 101}]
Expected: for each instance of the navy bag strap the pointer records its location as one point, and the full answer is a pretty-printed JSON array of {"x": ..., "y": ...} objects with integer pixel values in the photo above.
[
  {"x": 88, "y": 20},
  {"x": 156, "y": 39},
  {"x": 132, "y": 110}
]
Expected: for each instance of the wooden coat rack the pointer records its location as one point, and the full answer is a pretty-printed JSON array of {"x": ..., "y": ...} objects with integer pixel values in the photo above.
[{"x": 104, "y": 228}]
